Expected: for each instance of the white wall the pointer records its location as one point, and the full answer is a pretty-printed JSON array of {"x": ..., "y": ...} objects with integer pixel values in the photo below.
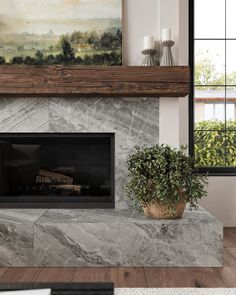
[
  {"x": 173, "y": 124},
  {"x": 169, "y": 107},
  {"x": 142, "y": 17},
  {"x": 221, "y": 199}
]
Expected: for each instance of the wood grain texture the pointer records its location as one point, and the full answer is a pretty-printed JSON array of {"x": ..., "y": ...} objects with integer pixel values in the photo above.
[
  {"x": 19, "y": 275},
  {"x": 224, "y": 277},
  {"x": 99, "y": 275},
  {"x": 56, "y": 275},
  {"x": 229, "y": 238},
  {"x": 95, "y": 81},
  {"x": 132, "y": 278},
  {"x": 2, "y": 271}
]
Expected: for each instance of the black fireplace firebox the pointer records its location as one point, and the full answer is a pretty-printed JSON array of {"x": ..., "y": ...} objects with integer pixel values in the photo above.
[{"x": 57, "y": 170}]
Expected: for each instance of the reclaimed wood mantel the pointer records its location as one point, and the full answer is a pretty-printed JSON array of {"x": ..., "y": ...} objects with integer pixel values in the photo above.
[{"x": 95, "y": 81}]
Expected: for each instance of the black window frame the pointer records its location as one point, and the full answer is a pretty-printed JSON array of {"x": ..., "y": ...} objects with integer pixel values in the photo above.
[{"x": 212, "y": 171}]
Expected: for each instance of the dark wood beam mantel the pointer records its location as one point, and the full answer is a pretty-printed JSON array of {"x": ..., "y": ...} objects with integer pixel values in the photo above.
[{"x": 95, "y": 81}]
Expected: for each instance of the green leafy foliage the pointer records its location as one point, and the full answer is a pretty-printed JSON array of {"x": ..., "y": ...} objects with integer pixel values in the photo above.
[
  {"x": 18, "y": 60},
  {"x": 67, "y": 50},
  {"x": 2, "y": 60},
  {"x": 206, "y": 72},
  {"x": 67, "y": 57},
  {"x": 215, "y": 148},
  {"x": 164, "y": 174},
  {"x": 78, "y": 48}
]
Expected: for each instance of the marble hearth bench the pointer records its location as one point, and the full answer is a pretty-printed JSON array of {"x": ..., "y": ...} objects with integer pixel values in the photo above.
[{"x": 100, "y": 238}]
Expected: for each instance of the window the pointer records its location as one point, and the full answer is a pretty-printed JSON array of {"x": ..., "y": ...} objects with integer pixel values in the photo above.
[
  {"x": 216, "y": 112},
  {"x": 213, "y": 91}
]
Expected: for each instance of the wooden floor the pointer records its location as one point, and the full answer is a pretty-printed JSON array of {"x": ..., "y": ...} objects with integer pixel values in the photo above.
[{"x": 138, "y": 277}]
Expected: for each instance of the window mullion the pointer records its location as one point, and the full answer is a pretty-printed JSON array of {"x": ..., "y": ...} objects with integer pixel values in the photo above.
[{"x": 220, "y": 89}]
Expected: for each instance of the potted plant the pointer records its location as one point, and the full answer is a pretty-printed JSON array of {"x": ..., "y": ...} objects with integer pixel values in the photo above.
[{"x": 162, "y": 180}]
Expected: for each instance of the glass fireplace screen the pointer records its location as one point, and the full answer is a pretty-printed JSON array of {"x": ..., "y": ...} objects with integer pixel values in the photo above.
[{"x": 57, "y": 166}]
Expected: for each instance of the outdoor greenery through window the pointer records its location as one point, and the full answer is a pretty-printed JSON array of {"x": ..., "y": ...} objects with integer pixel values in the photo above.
[{"x": 215, "y": 83}]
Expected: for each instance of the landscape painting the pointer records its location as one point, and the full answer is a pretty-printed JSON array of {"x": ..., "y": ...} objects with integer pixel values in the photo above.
[{"x": 61, "y": 32}]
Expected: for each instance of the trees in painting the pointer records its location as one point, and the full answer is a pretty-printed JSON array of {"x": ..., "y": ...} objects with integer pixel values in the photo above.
[{"x": 107, "y": 50}]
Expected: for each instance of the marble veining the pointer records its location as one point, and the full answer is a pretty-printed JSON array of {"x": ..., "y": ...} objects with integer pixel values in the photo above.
[
  {"x": 135, "y": 121},
  {"x": 104, "y": 237},
  {"x": 24, "y": 114},
  {"x": 120, "y": 216},
  {"x": 121, "y": 176},
  {"x": 20, "y": 216},
  {"x": 100, "y": 238},
  {"x": 119, "y": 244},
  {"x": 16, "y": 245}
]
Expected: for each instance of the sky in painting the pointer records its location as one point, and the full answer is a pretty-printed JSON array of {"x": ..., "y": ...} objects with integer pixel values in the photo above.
[{"x": 60, "y": 16}]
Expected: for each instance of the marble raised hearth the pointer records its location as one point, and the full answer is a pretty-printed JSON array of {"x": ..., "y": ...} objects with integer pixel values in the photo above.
[{"x": 98, "y": 238}]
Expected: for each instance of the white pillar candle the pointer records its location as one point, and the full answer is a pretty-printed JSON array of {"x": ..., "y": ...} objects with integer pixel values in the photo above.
[
  {"x": 148, "y": 42},
  {"x": 167, "y": 34}
]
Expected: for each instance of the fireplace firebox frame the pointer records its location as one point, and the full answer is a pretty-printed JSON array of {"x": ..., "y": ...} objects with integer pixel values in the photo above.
[{"x": 67, "y": 202}]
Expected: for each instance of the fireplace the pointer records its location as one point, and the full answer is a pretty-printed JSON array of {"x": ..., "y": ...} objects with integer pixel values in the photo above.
[{"x": 57, "y": 170}]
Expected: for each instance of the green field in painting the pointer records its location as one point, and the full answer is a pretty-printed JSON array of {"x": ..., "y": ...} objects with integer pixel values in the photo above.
[
  {"x": 100, "y": 46},
  {"x": 47, "y": 46},
  {"x": 26, "y": 45}
]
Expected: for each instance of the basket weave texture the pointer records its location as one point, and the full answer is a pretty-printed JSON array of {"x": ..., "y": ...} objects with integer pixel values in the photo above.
[{"x": 159, "y": 210}]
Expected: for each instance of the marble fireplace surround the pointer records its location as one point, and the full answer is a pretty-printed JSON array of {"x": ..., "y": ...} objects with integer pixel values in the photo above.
[
  {"x": 98, "y": 238},
  {"x": 135, "y": 121}
]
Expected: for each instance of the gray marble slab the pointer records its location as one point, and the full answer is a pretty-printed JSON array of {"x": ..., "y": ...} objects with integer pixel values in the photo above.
[
  {"x": 97, "y": 238},
  {"x": 16, "y": 245},
  {"x": 17, "y": 236},
  {"x": 20, "y": 216},
  {"x": 121, "y": 176},
  {"x": 127, "y": 245},
  {"x": 24, "y": 114},
  {"x": 120, "y": 216},
  {"x": 101, "y": 237},
  {"x": 133, "y": 120}
]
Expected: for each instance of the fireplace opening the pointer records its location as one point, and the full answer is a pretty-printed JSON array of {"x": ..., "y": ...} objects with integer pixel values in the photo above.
[{"x": 57, "y": 170}]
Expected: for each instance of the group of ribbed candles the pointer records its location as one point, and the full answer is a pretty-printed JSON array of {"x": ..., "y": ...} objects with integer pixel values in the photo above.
[{"x": 149, "y": 41}]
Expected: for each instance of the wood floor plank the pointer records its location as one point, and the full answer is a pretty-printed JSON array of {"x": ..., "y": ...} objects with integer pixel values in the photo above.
[
  {"x": 64, "y": 275},
  {"x": 229, "y": 238},
  {"x": 132, "y": 278},
  {"x": 16, "y": 275},
  {"x": 232, "y": 251},
  {"x": 183, "y": 278},
  {"x": 2, "y": 271},
  {"x": 202, "y": 278},
  {"x": 227, "y": 274},
  {"x": 232, "y": 229},
  {"x": 99, "y": 275},
  {"x": 229, "y": 259},
  {"x": 165, "y": 278}
]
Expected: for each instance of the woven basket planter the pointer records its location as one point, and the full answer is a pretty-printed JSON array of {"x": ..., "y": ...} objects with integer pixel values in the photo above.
[{"x": 161, "y": 211}]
